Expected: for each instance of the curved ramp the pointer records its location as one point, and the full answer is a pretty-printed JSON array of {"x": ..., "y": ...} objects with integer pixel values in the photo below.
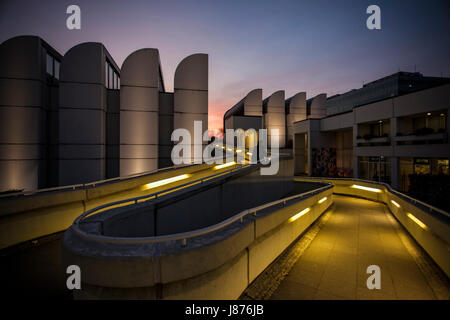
[{"x": 355, "y": 234}]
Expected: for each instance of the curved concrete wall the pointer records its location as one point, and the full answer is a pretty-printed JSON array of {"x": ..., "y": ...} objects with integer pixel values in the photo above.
[
  {"x": 253, "y": 103},
  {"x": 297, "y": 112},
  {"x": 82, "y": 114},
  {"x": 319, "y": 106},
  {"x": 191, "y": 95},
  {"x": 139, "y": 104},
  {"x": 274, "y": 118},
  {"x": 215, "y": 266},
  {"x": 25, "y": 99}
]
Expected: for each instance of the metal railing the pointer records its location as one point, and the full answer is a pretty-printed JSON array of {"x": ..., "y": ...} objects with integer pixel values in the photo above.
[{"x": 190, "y": 234}]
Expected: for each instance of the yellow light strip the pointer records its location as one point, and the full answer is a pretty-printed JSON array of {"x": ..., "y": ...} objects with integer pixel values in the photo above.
[
  {"x": 164, "y": 182},
  {"x": 220, "y": 166},
  {"x": 420, "y": 223},
  {"x": 365, "y": 188},
  {"x": 298, "y": 215},
  {"x": 322, "y": 200},
  {"x": 395, "y": 204}
]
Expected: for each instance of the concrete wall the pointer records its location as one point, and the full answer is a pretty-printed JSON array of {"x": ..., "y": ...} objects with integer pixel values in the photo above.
[
  {"x": 165, "y": 129},
  {"x": 297, "y": 112},
  {"x": 191, "y": 96},
  {"x": 82, "y": 114},
  {"x": 274, "y": 118},
  {"x": 318, "y": 106},
  {"x": 28, "y": 101},
  {"x": 139, "y": 108},
  {"x": 30, "y": 216},
  {"x": 253, "y": 103},
  {"x": 113, "y": 134}
]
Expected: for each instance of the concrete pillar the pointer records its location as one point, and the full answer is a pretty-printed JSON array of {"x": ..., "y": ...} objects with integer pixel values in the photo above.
[
  {"x": 82, "y": 113},
  {"x": 139, "y": 108},
  {"x": 296, "y": 106},
  {"x": 274, "y": 118},
  {"x": 26, "y": 93},
  {"x": 191, "y": 96}
]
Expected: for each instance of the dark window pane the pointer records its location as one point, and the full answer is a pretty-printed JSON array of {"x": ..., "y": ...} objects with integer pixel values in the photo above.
[{"x": 49, "y": 64}]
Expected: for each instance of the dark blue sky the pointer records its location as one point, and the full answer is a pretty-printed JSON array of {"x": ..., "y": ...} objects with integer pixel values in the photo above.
[{"x": 313, "y": 46}]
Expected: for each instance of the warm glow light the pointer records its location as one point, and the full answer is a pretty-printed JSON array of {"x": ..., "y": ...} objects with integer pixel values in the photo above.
[
  {"x": 249, "y": 153},
  {"x": 365, "y": 188},
  {"x": 322, "y": 200},
  {"x": 420, "y": 223},
  {"x": 164, "y": 181},
  {"x": 238, "y": 150},
  {"x": 429, "y": 114},
  {"x": 229, "y": 149},
  {"x": 298, "y": 215},
  {"x": 395, "y": 204},
  {"x": 220, "y": 166}
]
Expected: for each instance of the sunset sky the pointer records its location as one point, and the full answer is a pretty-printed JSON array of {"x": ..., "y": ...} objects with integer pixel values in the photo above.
[{"x": 313, "y": 46}]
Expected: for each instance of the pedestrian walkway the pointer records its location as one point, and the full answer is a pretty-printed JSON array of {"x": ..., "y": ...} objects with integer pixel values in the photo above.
[{"x": 355, "y": 234}]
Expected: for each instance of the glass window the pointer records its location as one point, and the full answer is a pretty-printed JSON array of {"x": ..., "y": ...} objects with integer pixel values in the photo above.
[
  {"x": 110, "y": 77},
  {"x": 106, "y": 74},
  {"x": 421, "y": 166},
  {"x": 115, "y": 80},
  {"x": 118, "y": 82},
  {"x": 49, "y": 64},
  {"x": 56, "y": 69}
]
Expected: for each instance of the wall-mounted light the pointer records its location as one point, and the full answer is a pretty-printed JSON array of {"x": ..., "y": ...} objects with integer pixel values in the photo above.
[
  {"x": 365, "y": 188},
  {"x": 322, "y": 200},
  {"x": 413, "y": 218},
  {"x": 220, "y": 166},
  {"x": 164, "y": 181},
  {"x": 298, "y": 215},
  {"x": 395, "y": 203},
  {"x": 429, "y": 114}
]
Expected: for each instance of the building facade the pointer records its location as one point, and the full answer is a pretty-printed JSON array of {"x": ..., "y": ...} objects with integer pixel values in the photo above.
[
  {"x": 76, "y": 118},
  {"x": 387, "y": 140}
]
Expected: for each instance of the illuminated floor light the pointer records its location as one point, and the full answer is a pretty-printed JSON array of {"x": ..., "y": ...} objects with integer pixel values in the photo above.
[
  {"x": 322, "y": 200},
  {"x": 238, "y": 150},
  {"x": 164, "y": 182},
  {"x": 220, "y": 166},
  {"x": 420, "y": 223},
  {"x": 229, "y": 149},
  {"x": 366, "y": 188},
  {"x": 298, "y": 215},
  {"x": 249, "y": 153},
  {"x": 395, "y": 204}
]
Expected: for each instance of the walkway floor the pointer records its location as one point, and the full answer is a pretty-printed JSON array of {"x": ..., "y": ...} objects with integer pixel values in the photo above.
[{"x": 357, "y": 233}]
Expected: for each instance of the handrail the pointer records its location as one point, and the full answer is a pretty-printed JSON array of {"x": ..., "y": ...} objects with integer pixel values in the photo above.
[
  {"x": 389, "y": 187},
  {"x": 190, "y": 234},
  {"x": 155, "y": 194},
  {"x": 83, "y": 186}
]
